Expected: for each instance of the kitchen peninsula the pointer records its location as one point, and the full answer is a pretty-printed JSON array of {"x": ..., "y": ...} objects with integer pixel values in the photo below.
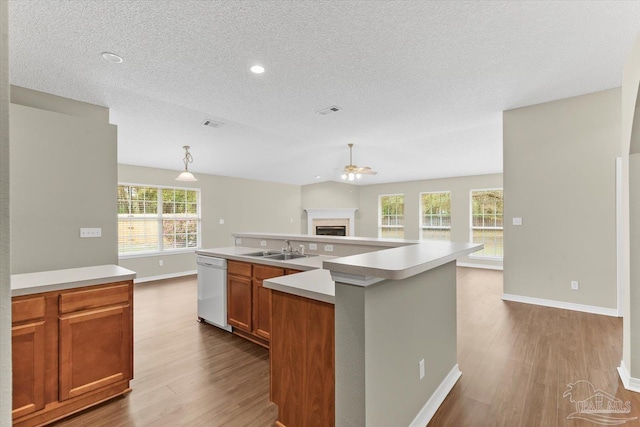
[{"x": 394, "y": 305}]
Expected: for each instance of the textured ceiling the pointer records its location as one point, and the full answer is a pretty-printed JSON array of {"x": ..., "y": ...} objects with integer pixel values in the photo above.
[{"x": 422, "y": 85}]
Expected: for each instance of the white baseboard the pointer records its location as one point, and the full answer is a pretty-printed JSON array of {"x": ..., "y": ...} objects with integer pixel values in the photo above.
[
  {"x": 429, "y": 409},
  {"x": 561, "y": 304},
  {"x": 630, "y": 383},
  {"x": 485, "y": 266},
  {"x": 165, "y": 276}
]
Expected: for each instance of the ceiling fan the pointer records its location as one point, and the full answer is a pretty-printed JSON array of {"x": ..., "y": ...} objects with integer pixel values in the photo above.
[{"x": 352, "y": 171}]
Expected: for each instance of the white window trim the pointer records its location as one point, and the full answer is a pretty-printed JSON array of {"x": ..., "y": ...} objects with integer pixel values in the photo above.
[
  {"x": 471, "y": 228},
  {"x": 380, "y": 196},
  {"x": 422, "y": 226},
  {"x": 172, "y": 251}
]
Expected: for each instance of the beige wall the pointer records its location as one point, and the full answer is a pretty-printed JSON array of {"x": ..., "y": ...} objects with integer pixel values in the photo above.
[
  {"x": 5, "y": 247},
  {"x": 630, "y": 232},
  {"x": 329, "y": 195},
  {"x": 245, "y": 205},
  {"x": 377, "y": 353},
  {"x": 559, "y": 176},
  {"x": 460, "y": 189},
  {"x": 63, "y": 177}
]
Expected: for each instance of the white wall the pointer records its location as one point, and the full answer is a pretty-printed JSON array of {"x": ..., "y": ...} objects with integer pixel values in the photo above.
[
  {"x": 5, "y": 244},
  {"x": 559, "y": 176},
  {"x": 245, "y": 205},
  {"x": 63, "y": 177},
  {"x": 460, "y": 189}
]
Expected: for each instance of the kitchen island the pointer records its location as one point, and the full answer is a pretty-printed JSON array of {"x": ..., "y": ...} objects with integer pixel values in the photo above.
[{"x": 394, "y": 310}]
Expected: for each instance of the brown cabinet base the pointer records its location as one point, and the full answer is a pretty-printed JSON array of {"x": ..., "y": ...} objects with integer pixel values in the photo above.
[
  {"x": 302, "y": 361},
  {"x": 58, "y": 410},
  {"x": 72, "y": 349}
]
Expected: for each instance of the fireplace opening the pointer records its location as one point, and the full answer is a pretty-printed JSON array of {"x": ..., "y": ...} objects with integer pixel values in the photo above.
[{"x": 331, "y": 230}]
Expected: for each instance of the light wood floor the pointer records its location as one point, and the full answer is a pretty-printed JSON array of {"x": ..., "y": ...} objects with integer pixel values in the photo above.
[{"x": 516, "y": 361}]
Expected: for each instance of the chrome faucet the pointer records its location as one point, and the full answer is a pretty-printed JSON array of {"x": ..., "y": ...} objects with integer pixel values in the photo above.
[{"x": 287, "y": 248}]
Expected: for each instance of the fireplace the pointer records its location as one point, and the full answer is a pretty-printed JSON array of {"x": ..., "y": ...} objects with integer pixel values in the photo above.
[
  {"x": 331, "y": 222},
  {"x": 331, "y": 230}
]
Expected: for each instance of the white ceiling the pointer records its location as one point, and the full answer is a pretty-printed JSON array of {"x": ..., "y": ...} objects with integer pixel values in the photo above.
[{"x": 422, "y": 85}]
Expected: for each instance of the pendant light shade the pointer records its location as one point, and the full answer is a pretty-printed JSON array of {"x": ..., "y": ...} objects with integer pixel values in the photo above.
[{"x": 186, "y": 175}]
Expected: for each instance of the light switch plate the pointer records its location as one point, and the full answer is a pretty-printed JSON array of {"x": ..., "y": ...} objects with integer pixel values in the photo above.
[
  {"x": 90, "y": 232},
  {"x": 263, "y": 243},
  {"x": 238, "y": 241},
  {"x": 313, "y": 247},
  {"x": 517, "y": 221},
  {"x": 221, "y": 221},
  {"x": 328, "y": 248}
]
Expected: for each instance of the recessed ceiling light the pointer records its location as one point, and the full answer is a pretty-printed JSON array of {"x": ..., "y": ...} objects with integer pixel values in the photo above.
[
  {"x": 257, "y": 69},
  {"x": 112, "y": 57}
]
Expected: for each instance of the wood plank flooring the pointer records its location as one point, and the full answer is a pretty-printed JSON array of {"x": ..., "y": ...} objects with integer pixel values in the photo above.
[{"x": 516, "y": 361}]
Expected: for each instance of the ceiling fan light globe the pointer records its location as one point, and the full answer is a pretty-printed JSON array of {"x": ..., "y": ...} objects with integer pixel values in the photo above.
[
  {"x": 351, "y": 176},
  {"x": 358, "y": 176},
  {"x": 343, "y": 176}
]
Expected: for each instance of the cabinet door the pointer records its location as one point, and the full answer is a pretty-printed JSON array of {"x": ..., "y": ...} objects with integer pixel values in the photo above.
[
  {"x": 239, "y": 302},
  {"x": 95, "y": 349},
  {"x": 28, "y": 360},
  {"x": 261, "y": 310}
]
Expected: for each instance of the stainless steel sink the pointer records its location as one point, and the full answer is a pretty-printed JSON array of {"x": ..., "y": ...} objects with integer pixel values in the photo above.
[
  {"x": 286, "y": 256},
  {"x": 264, "y": 253}
]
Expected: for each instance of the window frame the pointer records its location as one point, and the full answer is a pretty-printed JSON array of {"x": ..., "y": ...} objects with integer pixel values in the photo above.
[
  {"x": 399, "y": 227},
  {"x": 159, "y": 217},
  {"x": 421, "y": 226},
  {"x": 471, "y": 227}
]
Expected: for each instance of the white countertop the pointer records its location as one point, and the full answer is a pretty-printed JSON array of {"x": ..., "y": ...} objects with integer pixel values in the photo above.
[
  {"x": 313, "y": 284},
  {"x": 238, "y": 253},
  {"x": 56, "y": 280},
  {"x": 400, "y": 263}
]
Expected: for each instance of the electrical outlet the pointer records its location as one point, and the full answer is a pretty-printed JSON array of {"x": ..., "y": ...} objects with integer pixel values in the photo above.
[
  {"x": 575, "y": 285},
  {"x": 313, "y": 247},
  {"x": 263, "y": 243},
  {"x": 328, "y": 248},
  {"x": 422, "y": 369},
  {"x": 160, "y": 263},
  {"x": 90, "y": 232},
  {"x": 517, "y": 221},
  {"x": 238, "y": 241},
  {"x": 221, "y": 221}
]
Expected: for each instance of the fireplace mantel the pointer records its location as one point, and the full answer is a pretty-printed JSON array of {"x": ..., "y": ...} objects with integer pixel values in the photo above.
[{"x": 336, "y": 213}]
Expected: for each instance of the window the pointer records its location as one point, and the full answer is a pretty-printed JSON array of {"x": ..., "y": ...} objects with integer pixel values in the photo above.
[
  {"x": 156, "y": 219},
  {"x": 435, "y": 216},
  {"x": 486, "y": 221},
  {"x": 391, "y": 216}
]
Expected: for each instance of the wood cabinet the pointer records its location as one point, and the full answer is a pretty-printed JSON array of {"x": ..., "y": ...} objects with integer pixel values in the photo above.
[
  {"x": 72, "y": 349},
  {"x": 248, "y": 301},
  {"x": 28, "y": 357},
  {"x": 302, "y": 361},
  {"x": 82, "y": 313}
]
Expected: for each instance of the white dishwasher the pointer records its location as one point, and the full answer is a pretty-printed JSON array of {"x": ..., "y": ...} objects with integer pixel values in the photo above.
[{"x": 212, "y": 291}]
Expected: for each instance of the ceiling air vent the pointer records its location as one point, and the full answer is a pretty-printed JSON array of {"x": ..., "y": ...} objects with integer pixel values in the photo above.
[
  {"x": 333, "y": 109},
  {"x": 213, "y": 123}
]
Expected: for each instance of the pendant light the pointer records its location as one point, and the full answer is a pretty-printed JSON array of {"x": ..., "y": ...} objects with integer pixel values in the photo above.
[{"x": 186, "y": 175}]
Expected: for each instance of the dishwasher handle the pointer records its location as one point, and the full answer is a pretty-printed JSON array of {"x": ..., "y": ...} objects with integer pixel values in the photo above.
[{"x": 212, "y": 262}]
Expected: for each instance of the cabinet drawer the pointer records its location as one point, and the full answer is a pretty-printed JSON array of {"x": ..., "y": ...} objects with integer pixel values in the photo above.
[
  {"x": 94, "y": 298},
  {"x": 27, "y": 309},
  {"x": 262, "y": 272},
  {"x": 239, "y": 268}
]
